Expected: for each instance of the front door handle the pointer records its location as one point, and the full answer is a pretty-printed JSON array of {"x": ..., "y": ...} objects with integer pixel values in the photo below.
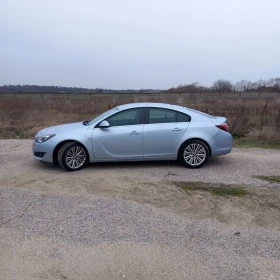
[
  {"x": 134, "y": 133},
  {"x": 176, "y": 129}
]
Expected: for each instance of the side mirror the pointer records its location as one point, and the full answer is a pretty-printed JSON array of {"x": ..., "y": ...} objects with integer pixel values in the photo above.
[{"x": 104, "y": 124}]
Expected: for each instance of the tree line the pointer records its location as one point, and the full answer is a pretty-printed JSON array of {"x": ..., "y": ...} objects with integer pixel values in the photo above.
[
  {"x": 44, "y": 89},
  {"x": 60, "y": 89},
  {"x": 270, "y": 85},
  {"x": 221, "y": 85}
]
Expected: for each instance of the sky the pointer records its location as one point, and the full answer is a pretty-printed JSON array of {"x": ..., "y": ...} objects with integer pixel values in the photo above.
[{"x": 137, "y": 44}]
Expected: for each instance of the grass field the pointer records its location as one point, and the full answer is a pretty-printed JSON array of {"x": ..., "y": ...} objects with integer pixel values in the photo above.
[{"x": 253, "y": 124}]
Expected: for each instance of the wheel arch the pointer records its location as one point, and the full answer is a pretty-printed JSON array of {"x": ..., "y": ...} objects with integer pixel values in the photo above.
[
  {"x": 59, "y": 145},
  {"x": 195, "y": 138}
]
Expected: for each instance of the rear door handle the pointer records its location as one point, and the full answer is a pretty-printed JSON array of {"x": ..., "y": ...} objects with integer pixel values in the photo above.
[
  {"x": 176, "y": 129},
  {"x": 134, "y": 133}
]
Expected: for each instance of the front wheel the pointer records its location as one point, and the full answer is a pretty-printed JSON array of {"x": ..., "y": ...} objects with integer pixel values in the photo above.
[
  {"x": 72, "y": 156},
  {"x": 194, "y": 154}
]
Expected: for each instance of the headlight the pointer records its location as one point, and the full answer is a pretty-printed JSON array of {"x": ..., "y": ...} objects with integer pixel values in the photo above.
[{"x": 41, "y": 139}]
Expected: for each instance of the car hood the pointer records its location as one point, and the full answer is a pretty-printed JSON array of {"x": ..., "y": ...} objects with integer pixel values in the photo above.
[{"x": 61, "y": 128}]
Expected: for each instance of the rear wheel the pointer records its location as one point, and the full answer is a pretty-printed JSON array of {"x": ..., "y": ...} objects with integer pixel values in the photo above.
[
  {"x": 72, "y": 156},
  {"x": 194, "y": 154}
]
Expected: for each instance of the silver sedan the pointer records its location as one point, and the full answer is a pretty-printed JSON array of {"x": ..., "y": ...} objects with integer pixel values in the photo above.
[{"x": 136, "y": 132}]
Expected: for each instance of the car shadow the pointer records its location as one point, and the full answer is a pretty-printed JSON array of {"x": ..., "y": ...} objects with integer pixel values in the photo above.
[
  {"x": 216, "y": 161},
  {"x": 134, "y": 164},
  {"x": 213, "y": 162}
]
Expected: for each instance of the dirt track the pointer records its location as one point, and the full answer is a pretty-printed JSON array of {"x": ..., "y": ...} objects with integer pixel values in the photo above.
[{"x": 130, "y": 219}]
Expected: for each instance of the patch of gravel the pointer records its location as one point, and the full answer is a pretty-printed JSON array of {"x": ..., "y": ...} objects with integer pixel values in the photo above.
[{"x": 130, "y": 221}]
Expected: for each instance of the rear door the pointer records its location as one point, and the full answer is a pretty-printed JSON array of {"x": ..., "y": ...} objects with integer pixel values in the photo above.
[{"x": 163, "y": 130}]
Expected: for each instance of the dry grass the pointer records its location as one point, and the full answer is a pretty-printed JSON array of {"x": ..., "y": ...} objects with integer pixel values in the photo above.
[
  {"x": 255, "y": 124},
  {"x": 23, "y": 116}
]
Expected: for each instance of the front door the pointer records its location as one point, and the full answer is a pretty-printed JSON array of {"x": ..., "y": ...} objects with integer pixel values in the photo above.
[{"x": 122, "y": 139}]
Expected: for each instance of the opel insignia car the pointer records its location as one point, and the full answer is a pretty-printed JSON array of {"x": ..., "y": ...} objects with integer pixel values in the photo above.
[{"x": 136, "y": 132}]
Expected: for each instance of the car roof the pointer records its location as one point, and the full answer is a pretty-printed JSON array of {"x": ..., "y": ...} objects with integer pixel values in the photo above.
[{"x": 151, "y": 104}]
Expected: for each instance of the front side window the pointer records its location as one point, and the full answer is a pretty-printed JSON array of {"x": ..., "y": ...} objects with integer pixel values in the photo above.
[
  {"x": 127, "y": 117},
  {"x": 158, "y": 115}
]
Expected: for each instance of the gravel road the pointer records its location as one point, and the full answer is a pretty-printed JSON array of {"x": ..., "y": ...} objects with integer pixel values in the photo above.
[{"x": 132, "y": 221}]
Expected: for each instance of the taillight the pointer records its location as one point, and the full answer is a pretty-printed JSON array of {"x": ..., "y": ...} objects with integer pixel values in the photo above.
[{"x": 223, "y": 127}]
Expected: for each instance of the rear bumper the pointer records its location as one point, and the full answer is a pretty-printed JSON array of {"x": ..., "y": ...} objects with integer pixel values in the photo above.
[{"x": 222, "y": 144}]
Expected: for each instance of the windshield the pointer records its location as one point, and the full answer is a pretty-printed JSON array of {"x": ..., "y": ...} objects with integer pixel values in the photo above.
[{"x": 104, "y": 115}]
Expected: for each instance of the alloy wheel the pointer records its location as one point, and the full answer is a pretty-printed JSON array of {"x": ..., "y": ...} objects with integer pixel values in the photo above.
[
  {"x": 75, "y": 157},
  {"x": 195, "y": 154}
]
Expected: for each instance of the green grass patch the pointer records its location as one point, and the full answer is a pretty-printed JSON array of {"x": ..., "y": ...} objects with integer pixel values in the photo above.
[
  {"x": 271, "y": 179},
  {"x": 219, "y": 189},
  {"x": 249, "y": 142}
]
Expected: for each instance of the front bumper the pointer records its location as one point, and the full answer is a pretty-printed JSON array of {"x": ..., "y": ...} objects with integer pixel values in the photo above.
[{"x": 43, "y": 151}]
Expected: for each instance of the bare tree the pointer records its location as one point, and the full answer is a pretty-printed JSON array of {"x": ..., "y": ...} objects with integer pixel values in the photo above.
[
  {"x": 275, "y": 84},
  {"x": 223, "y": 86},
  {"x": 243, "y": 86}
]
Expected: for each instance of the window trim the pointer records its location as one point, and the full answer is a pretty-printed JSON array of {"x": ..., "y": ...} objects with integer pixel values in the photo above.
[{"x": 147, "y": 111}]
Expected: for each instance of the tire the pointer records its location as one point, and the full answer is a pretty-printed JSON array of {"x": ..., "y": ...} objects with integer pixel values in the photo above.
[
  {"x": 194, "y": 154},
  {"x": 72, "y": 156}
]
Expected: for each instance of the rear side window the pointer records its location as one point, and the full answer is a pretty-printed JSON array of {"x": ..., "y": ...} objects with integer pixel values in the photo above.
[
  {"x": 159, "y": 115},
  {"x": 183, "y": 118}
]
